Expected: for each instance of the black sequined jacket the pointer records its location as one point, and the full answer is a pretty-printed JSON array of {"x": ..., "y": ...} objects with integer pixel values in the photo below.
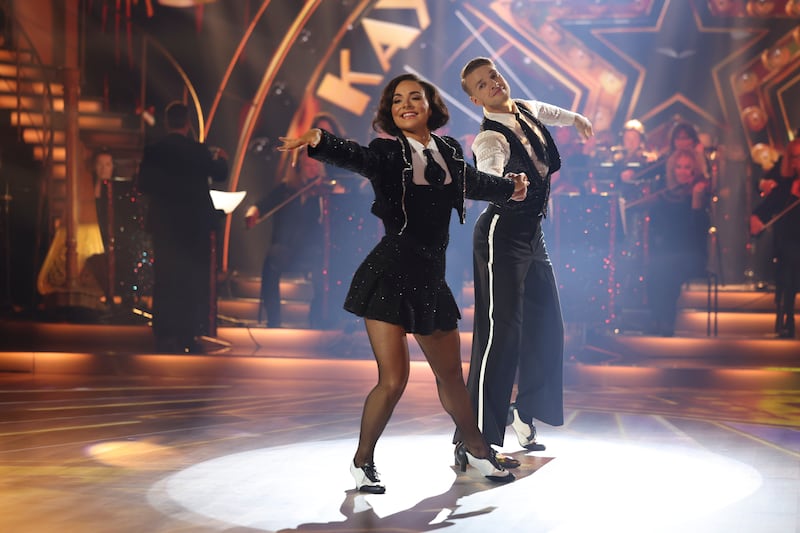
[{"x": 387, "y": 164}]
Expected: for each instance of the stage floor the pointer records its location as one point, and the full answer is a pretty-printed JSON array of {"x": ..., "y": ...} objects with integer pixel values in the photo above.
[{"x": 237, "y": 443}]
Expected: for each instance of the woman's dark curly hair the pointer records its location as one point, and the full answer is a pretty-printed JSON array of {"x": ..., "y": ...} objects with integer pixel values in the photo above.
[{"x": 383, "y": 121}]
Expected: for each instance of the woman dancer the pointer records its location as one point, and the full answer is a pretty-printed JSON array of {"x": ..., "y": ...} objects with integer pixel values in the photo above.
[{"x": 418, "y": 179}]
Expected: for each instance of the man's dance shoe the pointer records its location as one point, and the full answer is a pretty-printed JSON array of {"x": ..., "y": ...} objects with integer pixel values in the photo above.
[{"x": 526, "y": 431}]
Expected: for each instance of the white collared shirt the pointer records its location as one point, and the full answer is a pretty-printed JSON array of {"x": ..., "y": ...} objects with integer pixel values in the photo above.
[
  {"x": 491, "y": 148},
  {"x": 419, "y": 162}
]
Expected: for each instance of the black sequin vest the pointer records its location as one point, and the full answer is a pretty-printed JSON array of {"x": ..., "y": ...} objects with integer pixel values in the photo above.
[{"x": 539, "y": 189}]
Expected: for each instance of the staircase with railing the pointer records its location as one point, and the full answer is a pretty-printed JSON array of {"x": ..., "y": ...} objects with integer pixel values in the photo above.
[
  {"x": 33, "y": 133},
  {"x": 33, "y": 102}
]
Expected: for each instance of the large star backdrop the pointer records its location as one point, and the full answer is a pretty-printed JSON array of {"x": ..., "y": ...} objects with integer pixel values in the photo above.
[
  {"x": 652, "y": 60},
  {"x": 730, "y": 67},
  {"x": 726, "y": 65}
]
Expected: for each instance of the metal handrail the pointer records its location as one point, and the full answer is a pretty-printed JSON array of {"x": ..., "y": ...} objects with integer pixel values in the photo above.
[{"x": 46, "y": 137}]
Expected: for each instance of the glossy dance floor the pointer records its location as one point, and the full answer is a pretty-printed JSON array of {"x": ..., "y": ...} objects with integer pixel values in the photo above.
[{"x": 138, "y": 442}]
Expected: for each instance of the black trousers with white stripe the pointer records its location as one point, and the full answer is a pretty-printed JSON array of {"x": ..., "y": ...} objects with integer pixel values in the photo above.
[{"x": 518, "y": 330}]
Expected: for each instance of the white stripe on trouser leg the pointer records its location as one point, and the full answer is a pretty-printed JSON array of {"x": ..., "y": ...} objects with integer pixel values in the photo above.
[{"x": 485, "y": 356}]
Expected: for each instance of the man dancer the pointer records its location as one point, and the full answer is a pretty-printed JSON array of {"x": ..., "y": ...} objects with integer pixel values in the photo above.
[{"x": 518, "y": 322}]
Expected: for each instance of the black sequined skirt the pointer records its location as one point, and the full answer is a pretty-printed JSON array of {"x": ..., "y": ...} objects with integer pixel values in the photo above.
[{"x": 402, "y": 282}]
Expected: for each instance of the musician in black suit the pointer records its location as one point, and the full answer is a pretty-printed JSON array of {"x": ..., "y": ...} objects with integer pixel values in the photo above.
[
  {"x": 174, "y": 175},
  {"x": 780, "y": 205}
]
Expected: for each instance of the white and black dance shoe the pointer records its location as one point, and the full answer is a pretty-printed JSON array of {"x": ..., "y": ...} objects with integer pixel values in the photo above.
[
  {"x": 487, "y": 466},
  {"x": 367, "y": 479},
  {"x": 526, "y": 431}
]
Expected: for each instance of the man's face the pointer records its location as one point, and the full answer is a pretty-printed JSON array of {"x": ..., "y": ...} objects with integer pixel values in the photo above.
[
  {"x": 488, "y": 88},
  {"x": 631, "y": 140},
  {"x": 103, "y": 167}
]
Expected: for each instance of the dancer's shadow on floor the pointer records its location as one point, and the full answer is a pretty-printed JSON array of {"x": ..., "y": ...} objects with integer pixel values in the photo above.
[{"x": 430, "y": 514}]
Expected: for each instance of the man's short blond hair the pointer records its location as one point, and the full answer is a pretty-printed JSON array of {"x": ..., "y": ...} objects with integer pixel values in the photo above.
[{"x": 470, "y": 67}]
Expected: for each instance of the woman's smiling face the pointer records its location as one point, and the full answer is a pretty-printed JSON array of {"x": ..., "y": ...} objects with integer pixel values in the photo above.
[
  {"x": 684, "y": 170},
  {"x": 410, "y": 107}
]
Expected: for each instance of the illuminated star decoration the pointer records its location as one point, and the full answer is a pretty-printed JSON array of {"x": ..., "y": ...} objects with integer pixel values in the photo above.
[{"x": 670, "y": 58}]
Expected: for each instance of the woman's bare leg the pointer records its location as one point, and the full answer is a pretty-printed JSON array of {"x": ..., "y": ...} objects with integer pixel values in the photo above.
[{"x": 390, "y": 347}]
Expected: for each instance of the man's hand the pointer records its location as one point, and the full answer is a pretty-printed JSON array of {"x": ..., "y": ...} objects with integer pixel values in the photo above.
[{"x": 584, "y": 126}]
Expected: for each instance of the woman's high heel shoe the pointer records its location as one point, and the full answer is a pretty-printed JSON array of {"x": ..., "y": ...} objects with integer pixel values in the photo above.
[
  {"x": 486, "y": 466},
  {"x": 367, "y": 479}
]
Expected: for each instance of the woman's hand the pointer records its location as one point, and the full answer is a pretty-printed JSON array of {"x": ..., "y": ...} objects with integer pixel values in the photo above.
[
  {"x": 698, "y": 194},
  {"x": 520, "y": 185},
  {"x": 311, "y": 137},
  {"x": 765, "y": 186}
]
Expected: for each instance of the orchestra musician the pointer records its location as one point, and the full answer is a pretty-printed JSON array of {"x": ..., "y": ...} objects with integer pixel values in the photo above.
[
  {"x": 651, "y": 167},
  {"x": 174, "y": 175},
  {"x": 781, "y": 207},
  {"x": 633, "y": 178},
  {"x": 52, "y": 281},
  {"x": 684, "y": 136},
  {"x": 632, "y": 154},
  {"x": 678, "y": 228},
  {"x": 297, "y": 241}
]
